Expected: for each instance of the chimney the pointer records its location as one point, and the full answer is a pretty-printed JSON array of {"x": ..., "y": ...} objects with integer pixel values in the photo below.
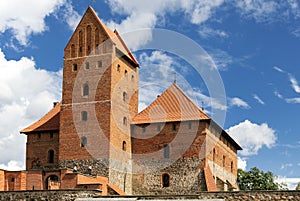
[{"x": 55, "y": 103}]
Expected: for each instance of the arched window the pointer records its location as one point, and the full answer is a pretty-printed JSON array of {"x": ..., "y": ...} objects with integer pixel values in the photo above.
[
  {"x": 88, "y": 39},
  {"x": 124, "y": 146},
  {"x": 50, "y": 156},
  {"x": 85, "y": 90},
  {"x": 124, "y": 96},
  {"x": 97, "y": 41},
  {"x": 80, "y": 38},
  {"x": 83, "y": 141},
  {"x": 124, "y": 121},
  {"x": 166, "y": 151},
  {"x": 165, "y": 180},
  {"x": 72, "y": 50},
  {"x": 84, "y": 115},
  {"x": 118, "y": 67},
  {"x": 125, "y": 73}
]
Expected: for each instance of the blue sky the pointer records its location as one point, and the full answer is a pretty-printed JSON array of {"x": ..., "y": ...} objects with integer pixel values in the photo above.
[{"x": 254, "y": 44}]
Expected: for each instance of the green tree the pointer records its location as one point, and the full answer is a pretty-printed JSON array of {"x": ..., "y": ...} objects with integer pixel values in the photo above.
[
  {"x": 255, "y": 179},
  {"x": 298, "y": 186}
]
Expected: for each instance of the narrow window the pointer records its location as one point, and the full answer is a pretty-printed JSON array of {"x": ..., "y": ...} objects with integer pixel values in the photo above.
[
  {"x": 39, "y": 136},
  {"x": 51, "y": 135},
  {"x": 174, "y": 127},
  {"x": 75, "y": 67},
  {"x": 99, "y": 64},
  {"x": 88, "y": 39},
  {"x": 97, "y": 41},
  {"x": 125, "y": 73},
  {"x": 87, "y": 65},
  {"x": 166, "y": 151},
  {"x": 144, "y": 129},
  {"x": 231, "y": 166},
  {"x": 124, "y": 96},
  {"x": 12, "y": 179},
  {"x": 85, "y": 89},
  {"x": 83, "y": 141},
  {"x": 50, "y": 156},
  {"x": 224, "y": 161},
  {"x": 83, "y": 115},
  {"x": 132, "y": 77},
  {"x": 72, "y": 50},
  {"x": 80, "y": 42},
  {"x": 118, "y": 67},
  {"x": 124, "y": 121},
  {"x": 214, "y": 155},
  {"x": 124, "y": 146},
  {"x": 165, "y": 180}
]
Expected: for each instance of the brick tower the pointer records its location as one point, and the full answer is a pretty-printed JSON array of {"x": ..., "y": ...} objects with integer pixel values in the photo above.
[{"x": 99, "y": 98}]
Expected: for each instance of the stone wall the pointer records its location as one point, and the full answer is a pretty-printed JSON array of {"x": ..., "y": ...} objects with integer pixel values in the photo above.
[{"x": 55, "y": 195}]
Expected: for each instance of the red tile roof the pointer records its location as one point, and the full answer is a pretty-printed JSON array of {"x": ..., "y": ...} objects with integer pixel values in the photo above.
[
  {"x": 172, "y": 105},
  {"x": 48, "y": 122}
]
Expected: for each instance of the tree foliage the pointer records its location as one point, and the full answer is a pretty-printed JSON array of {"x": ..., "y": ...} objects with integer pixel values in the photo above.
[{"x": 254, "y": 179}]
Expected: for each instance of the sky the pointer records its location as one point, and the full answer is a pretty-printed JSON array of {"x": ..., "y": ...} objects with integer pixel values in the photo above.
[{"x": 252, "y": 45}]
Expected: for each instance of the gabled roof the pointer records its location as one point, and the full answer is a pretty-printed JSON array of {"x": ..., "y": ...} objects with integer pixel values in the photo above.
[
  {"x": 113, "y": 35},
  {"x": 48, "y": 122},
  {"x": 172, "y": 105}
]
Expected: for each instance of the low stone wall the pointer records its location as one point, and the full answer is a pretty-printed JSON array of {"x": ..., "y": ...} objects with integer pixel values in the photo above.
[
  {"x": 71, "y": 195},
  {"x": 52, "y": 195}
]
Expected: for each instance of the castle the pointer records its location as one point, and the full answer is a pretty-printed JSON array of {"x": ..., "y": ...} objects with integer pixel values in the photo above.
[{"x": 96, "y": 139}]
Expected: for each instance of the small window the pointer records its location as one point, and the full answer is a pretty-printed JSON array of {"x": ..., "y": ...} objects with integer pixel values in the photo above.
[
  {"x": 124, "y": 146},
  {"x": 174, "y": 126},
  {"x": 75, "y": 67},
  {"x": 118, "y": 67},
  {"x": 214, "y": 154},
  {"x": 39, "y": 136},
  {"x": 165, "y": 180},
  {"x": 231, "y": 166},
  {"x": 132, "y": 77},
  {"x": 190, "y": 125},
  {"x": 83, "y": 141},
  {"x": 50, "y": 156},
  {"x": 144, "y": 129},
  {"x": 158, "y": 127},
  {"x": 88, "y": 50},
  {"x": 72, "y": 50},
  {"x": 124, "y": 121},
  {"x": 51, "y": 135},
  {"x": 124, "y": 96},
  {"x": 85, "y": 89},
  {"x": 224, "y": 161},
  {"x": 84, "y": 116},
  {"x": 99, "y": 65},
  {"x": 12, "y": 179},
  {"x": 87, "y": 65},
  {"x": 125, "y": 73},
  {"x": 166, "y": 151}
]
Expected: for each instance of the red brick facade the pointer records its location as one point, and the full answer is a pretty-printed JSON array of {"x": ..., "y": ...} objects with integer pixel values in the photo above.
[{"x": 97, "y": 131}]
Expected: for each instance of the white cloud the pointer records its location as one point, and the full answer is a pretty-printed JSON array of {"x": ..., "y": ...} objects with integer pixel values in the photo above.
[
  {"x": 278, "y": 69},
  {"x": 238, "y": 102},
  {"x": 287, "y": 165},
  {"x": 252, "y": 137},
  {"x": 147, "y": 14},
  {"x": 207, "y": 32},
  {"x": 292, "y": 100},
  {"x": 26, "y": 94},
  {"x": 294, "y": 83},
  {"x": 291, "y": 182},
  {"x": 242, "y": 163},
  {"x": 24, "y": 20},
  {"x": 221, "y": 58},
  {"x": 276, "y": 93},
  {"x": 13, "y": 166},
  {"x": 259, "y": 100}
]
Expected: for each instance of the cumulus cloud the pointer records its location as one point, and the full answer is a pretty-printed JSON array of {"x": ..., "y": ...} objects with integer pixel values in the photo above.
[
  {"x": 242, "y": 163},
  {"x": 258, "y": 99},
  {"x": 238, "y": 102},
  {"x": 252, "y": 137},
  {"x": 291, "y": 182},
  {"x": 23, "y": 21},
  {"x": 26, "y": 94}
]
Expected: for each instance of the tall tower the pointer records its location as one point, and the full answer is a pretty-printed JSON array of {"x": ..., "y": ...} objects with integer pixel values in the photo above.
[{"x": 99, "y": 98}]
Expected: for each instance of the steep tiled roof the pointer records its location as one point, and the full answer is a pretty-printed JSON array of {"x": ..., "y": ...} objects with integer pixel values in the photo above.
[
  {"x": 172, "y": 105},
  {"x": 115, "y": 37},
  {"x": 49, "y": 121}
]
